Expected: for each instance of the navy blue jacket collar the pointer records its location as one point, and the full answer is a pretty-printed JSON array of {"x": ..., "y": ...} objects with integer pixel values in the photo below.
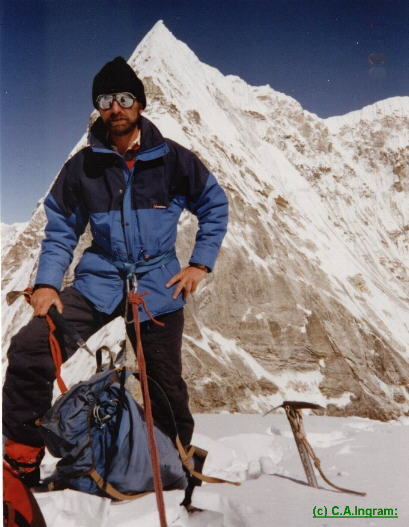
[{"x": 152, "y": 142}]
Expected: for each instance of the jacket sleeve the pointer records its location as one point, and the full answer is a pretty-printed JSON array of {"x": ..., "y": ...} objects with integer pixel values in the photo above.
[
  {"x": 67, "y": 220},
  {"x": 208, "y": 201}
]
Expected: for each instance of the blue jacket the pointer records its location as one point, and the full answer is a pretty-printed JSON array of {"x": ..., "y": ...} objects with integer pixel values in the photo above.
[{"x": 133, "y": 218}]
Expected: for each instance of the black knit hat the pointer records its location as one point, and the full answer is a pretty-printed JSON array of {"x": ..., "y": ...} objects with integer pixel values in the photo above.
[{"x": 117, "y": 76}]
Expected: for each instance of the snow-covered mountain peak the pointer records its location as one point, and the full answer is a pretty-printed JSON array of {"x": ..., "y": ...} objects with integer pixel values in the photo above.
[
  {"x": 159, "y": 37},
  {"x": 309, "y": 299},
  {"x": 161, "y": 48},
  {"x": 168, "y": 65}
]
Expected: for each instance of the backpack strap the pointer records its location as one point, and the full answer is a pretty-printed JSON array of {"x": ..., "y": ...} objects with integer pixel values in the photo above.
[
  {"x": 187, "y": 461},
  {"x": 111, "y": 491}
]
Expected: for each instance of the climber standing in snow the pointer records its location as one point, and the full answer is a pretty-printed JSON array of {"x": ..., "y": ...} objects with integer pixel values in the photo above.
[{"x": 131, "y": 184}]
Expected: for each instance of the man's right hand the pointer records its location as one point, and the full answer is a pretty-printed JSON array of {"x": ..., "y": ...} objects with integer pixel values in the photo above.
[{"x": 43, "y": 298}]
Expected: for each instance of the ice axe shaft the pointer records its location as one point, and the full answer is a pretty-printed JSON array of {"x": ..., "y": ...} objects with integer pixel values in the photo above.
[
  {"x": 294, "y": 416},
  {"x": 293, "y": 410},
  {"x": 66, "y": 328}
]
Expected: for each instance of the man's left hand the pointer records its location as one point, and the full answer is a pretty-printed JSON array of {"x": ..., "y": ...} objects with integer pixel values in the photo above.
[{"x": 188, "y": 278}]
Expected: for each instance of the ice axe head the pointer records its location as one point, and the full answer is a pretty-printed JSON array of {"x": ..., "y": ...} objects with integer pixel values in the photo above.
[
  {"x": 299, "y": 405},
  {"x": 12, "y": 296},
  {"x": 296, "y": 405}
]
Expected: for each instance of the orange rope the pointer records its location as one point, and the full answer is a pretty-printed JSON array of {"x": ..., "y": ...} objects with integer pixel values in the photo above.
[
  {"x": 135, "y": 299},
  {"x": 56, "y": 354},
  {"x": 54, "y": 345}
]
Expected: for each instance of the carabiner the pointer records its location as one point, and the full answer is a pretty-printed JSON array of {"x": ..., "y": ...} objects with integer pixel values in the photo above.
[{"x": 131, "y": 285}]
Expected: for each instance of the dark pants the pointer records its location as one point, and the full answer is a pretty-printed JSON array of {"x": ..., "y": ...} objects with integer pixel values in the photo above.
[{"x": 28, "y": 387}]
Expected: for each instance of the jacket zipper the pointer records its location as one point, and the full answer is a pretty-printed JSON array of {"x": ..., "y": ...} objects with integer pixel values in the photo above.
[{"x": 130, "y": 221}]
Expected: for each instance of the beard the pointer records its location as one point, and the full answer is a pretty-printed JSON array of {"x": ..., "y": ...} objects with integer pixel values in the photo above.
[{"x": 125, "y": 127}]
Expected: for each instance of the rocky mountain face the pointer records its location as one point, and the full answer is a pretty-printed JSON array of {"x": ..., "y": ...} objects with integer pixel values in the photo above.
[
  {"x": 310, "y": 296},
  {"x": 9, "y": 233}
]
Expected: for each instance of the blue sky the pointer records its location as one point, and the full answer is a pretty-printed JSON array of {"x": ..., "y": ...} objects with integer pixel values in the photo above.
[{"x": 333, "y": 56}]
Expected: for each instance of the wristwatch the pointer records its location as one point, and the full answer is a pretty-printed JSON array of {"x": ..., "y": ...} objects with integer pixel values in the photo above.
[{"x": 200, "y": 266}]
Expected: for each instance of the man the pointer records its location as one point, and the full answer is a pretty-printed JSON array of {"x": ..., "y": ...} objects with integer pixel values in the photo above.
[{"x": 131, "y": 185}]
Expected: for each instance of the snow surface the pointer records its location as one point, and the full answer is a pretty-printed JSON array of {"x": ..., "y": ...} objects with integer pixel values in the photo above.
[{"x": 260, "y": 452}]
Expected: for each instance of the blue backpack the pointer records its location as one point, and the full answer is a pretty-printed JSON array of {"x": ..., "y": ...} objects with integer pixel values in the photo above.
[{"x": 98, "y": 431}]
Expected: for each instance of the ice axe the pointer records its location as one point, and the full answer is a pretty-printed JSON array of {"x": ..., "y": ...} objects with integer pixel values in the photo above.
[
  {"x": 293, "y": 410},
  {"x": 60, "y": 323}
]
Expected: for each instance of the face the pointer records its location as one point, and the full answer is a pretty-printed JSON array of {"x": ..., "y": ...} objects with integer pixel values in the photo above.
[{"x": 121, "y": 121}]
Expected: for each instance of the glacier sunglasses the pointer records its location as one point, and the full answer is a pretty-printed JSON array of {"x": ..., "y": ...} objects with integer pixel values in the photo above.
[{"x": 124, "y": 99}]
